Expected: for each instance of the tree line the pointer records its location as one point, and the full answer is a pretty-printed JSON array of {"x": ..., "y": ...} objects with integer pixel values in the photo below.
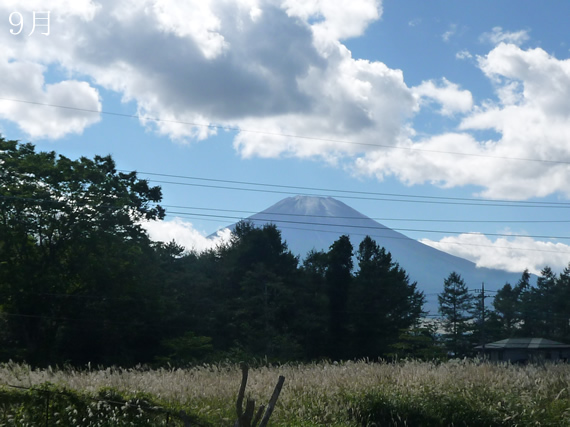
[
  {"x": 522, "y": 310},
  {"x": 80, "y": 280}
]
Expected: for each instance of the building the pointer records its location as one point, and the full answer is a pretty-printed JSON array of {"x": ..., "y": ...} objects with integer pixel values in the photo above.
[{"x": 523, "y": 350}]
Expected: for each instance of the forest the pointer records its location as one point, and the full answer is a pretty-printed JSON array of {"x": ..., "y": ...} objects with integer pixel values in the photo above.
[{"x": 81, "y": 282}]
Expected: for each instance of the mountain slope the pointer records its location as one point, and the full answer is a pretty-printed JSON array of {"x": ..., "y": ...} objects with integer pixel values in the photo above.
[{"x": 316, "y": 222}]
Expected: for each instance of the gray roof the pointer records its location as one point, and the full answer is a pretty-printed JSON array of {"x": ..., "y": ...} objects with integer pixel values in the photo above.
[{"x": 524, "y": 343}]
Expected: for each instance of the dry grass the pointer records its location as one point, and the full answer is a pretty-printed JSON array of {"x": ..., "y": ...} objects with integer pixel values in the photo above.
[{"x": 337, "y": 394}]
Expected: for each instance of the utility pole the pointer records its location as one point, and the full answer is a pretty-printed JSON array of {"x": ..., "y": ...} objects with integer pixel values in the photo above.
[
  {"x": 483, "y": 316},
  {"x": 482, "y": 336}
]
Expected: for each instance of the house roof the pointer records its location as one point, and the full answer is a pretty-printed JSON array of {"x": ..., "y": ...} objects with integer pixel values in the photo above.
[{"x": 524, "y": 343}]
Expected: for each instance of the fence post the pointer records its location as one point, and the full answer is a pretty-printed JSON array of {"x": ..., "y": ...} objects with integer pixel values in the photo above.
[
  {"x": 272, "y": 401},
  {"x": 241, "y": 394},
  {"x": 247, "y": 418}
]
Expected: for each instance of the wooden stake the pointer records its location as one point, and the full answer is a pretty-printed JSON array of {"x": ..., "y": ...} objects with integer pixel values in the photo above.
[{"x": 272, "y": 401}]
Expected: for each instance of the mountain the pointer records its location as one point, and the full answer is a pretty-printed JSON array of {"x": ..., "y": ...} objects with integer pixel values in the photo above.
[{"x": 308, "y": 222}]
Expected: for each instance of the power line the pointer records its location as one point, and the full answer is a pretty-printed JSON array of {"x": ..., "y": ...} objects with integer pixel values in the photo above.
[
  {"x": 334, "y": 190},
  {"x": 490, "y": 221},
  {"x": 205, "y": 217},
  {"x": 405, "y": 238},
  {"x": 273, "y": 220},
  {"x": 366, "y": 227},
  {"x": 103, "y": 206},
  {"x": 285, "y": 135},
  {"x": 290, "y": 193}
]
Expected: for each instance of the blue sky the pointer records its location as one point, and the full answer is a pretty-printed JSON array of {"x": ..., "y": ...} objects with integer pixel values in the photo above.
[{"x": 438, "y": 99}]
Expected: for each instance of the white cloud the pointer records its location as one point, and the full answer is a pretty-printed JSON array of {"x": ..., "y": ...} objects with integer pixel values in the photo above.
[
  {"x": 85, "y": 9},
  {"x": 258, "y": 65},
  {"x": 497, "y": 35},
  {"x": 448, "y": 95},
  {"x": 545, "y": 80},
  {"x": 358, "y": 101},
  {"x": 335, "y": 20},
  {"x": 25, "y": 81},
  {"x": 271, "y": 65},
  {"x": 531, "y": 118},
  {"x": 463, "y": 54},
  {"x": 415, "y": 22},
  {"x": 428, "y": 161},
  {"x": 24, "y": 60},
  {"x": 449, "y": 33},
  {"x": 184, "y": 233},
  {"x": 194, "y": 19},
  {"x": 281, "y": 67},
  {"x": 513, "y": 254}
]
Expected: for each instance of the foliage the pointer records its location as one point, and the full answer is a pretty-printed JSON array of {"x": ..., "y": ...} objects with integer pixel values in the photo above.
[
  {"x": 418, "y": 342},
  {"x": 382, "y": 301},
  {"x": 535, "y": 311},
  {"x": 74, "y": 257},
  {"x": 82, "y": 282},
  {"x": 47, "y": 404},
  {"x": 506, "y": 308},
  {"x": 456, "y": 307},
  {"x": 186, "y": 349},
  {"x": 338, "y": 277}
]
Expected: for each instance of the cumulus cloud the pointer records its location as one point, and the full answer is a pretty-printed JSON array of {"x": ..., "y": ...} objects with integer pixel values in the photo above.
[
  {"x": 513, "y": 254},
  {"x": 447, "y": 94},
  {"x": 24, "y": 60},
  {"x": 25, "y": 81},
  {"x": 84, "y": 9},
  {"x": 237, "y": 60},
  {"x": 497, "y": 35},
  {"x": 279, "y": 68},
  {"x": 366, "y": 101},
  {"x": 271, "y": 66},
  {"x": 530, "y": 117},
  {"x": 193, "y": 19},
  {"x": 335, "y": 20},
  {"x": 184, "y": 233}
]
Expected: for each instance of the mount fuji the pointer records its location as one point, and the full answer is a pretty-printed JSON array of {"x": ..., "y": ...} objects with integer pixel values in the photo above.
[{"x": 308, "y": 222}]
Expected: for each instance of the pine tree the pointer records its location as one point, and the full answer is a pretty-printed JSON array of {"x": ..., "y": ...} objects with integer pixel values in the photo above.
[
  {"x": 506, "y": 303},
  {"x": 562, "y": 305},
  {"x": 456, "y": 307},
  {"x": 383, "y": 302},
  {"x": 338, "y": 277}
]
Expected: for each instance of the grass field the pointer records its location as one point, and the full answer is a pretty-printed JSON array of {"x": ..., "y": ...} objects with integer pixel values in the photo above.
[{"x": 347, "y": 394}]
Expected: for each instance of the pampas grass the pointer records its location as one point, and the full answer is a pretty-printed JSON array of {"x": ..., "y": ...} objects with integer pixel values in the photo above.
[{"x": 350, "y": 393}]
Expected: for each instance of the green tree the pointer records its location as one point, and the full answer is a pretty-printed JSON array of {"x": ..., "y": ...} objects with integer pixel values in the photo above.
[
  {"x": 525, "y": 306},
  {"x": 382, "y": 301},
  {"x": 72, "y": 251},
  {"x": 338, "y": 278},
  {"x": 506, "y": 304},
  {"x": 456, "y": 308},
  {"x": 263, "y": 280},
  {"x": 545, "y": 306},
  {"x": 313, "y": 319},
  {"x": 561, "y": 305},
  {"x": 487, "y": 324},
  {"x": 544, "y": 301}
]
